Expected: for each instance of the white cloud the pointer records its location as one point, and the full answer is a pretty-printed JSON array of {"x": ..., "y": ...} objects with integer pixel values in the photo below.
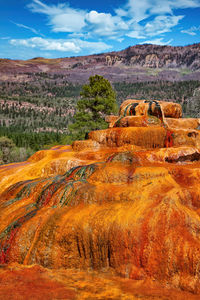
[
  {"x": 158, "y": 41},
  {"x": 46, "y": 44},
  {"x": 143, "y": 9},
  {"x": 121, "y": 12},
  {"x": 137, "y": 19},
  {"x": 167, "y": 6},
  {"x": 39, "y": 7},
  {"x": 191, "y": 31},
  {"x": 27, "y": 27},
  {"x": 136, "y": 35},
  {"x": 73, "y": 45},
  {"x": 103, "y": 24},
  {"x": 4, "y": 38},
  {"x": 70, "y": 21},
  {"x": 92, "y": 47},
  {"x": 162, "y": 14},
  {"x": 158, "y": 26},
  {"x": 62, "y": 18},
  {"x": 161, "y": 24},
  {"x": 138, "y": 9}
]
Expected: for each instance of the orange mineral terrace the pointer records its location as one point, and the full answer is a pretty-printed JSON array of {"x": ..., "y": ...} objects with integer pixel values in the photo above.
[{"x": 116, "y": 216}]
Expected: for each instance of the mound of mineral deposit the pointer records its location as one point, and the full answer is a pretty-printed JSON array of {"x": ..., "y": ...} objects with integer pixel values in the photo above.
[{"x": 124, "y": 204}]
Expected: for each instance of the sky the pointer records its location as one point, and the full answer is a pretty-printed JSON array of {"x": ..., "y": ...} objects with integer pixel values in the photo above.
[{"x": 61, "y": 28}]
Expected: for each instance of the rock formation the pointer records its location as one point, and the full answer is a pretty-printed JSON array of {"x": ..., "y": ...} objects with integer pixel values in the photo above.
[{"x": 126, "y": 200}]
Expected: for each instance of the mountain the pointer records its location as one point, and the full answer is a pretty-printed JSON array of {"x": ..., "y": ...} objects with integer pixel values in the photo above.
[{"x": 137, "y": 63}]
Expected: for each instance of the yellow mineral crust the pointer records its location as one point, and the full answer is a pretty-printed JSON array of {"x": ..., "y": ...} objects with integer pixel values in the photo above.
[
  {"x": 147, "y": 137},
  {"x": 185, "y": 123},
  {"x": 124, "y": 203}
]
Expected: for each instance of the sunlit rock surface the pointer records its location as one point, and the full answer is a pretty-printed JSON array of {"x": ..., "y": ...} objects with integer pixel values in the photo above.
[{"x": 124, "y": 204}]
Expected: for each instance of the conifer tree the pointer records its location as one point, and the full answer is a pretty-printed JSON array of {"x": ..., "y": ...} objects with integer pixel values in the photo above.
[{"x": 97, "y": 100}]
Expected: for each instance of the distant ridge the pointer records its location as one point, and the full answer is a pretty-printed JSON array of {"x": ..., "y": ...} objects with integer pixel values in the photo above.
[{"x": 135, "y": 63}]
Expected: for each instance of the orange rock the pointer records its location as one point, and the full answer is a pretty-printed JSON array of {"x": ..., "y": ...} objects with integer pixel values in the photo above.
[
  {"x": 137, "y": 121},
  {"x": 36, "y": 282},
  {"x": 125, "y": 216},
  {"x": 186, "y": 137},
  {"x": 171, "y": 110},
  {"x": 188, "y": 123},
  {"x": 147, "y": 137},
  {"x": 141, "y": 107},
  {"x": 81, "y": 145},
  {"x": 111, "y": 120},
  {"x": 126, "y": 200}
]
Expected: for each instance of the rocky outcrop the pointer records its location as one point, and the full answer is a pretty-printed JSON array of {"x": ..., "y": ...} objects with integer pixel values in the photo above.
[
  {"x": 153, "y": 56},
  {"x": 112, "y": 59}
]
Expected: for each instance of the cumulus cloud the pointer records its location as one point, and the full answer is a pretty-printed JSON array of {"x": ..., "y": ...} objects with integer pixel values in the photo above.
[
  {"x": 137, "y": 19},
  {"x": 68, "y": 21},
  {"x": 104, "y": 24},
  {"x": 126, "y": 21},
  {"x": 63, "y": 18},
  {"x": 75, "y": 45}
]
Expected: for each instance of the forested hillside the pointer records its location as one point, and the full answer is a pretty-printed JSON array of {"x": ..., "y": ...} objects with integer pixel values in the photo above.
[
  {"x": 35, "y": 114},
  {"x": 181, "y": 92}
]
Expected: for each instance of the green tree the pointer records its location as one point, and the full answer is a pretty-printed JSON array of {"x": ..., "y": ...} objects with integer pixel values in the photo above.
[
  {"x": 6, "y": 146},
  {"x": 97, "y": 100},
  {"x": 1, "y": 157}
]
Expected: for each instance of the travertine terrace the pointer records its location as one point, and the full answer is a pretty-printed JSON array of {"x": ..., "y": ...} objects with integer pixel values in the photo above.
[{"x": 125, "y": 204}]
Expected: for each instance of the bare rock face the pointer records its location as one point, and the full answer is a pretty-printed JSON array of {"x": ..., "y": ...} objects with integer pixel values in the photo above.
[{"x": 125, "y": 200}]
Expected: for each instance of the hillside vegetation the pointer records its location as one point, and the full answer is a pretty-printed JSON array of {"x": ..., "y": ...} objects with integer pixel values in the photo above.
[{"x": 36, "y": 114}]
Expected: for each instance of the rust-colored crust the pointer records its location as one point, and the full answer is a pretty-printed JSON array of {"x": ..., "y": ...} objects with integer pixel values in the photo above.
[{"x": 125, "y": 201}]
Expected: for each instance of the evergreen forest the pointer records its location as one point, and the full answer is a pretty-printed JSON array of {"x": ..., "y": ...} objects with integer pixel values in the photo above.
[{"x": 40, "y": 113}]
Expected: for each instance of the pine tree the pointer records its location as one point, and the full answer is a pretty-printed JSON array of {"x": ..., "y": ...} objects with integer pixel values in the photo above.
[{"x": 97, "y": 100}]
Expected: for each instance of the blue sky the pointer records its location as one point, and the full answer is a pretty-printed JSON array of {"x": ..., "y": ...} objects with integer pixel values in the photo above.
[{"x": 59, "y": 28}]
